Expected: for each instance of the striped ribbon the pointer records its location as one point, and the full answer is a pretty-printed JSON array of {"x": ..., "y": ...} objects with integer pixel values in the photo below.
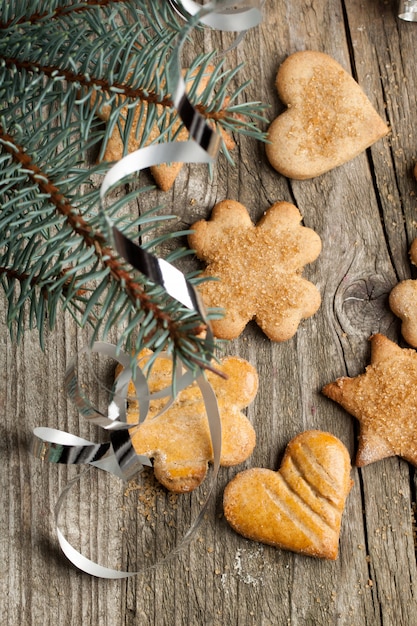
[{"x": 117, "y": 456}]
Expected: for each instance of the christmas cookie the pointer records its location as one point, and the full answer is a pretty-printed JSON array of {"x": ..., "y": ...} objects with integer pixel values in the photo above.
[
  {"x": 258, "y": 268},
  {"x": 384, "y": 400},
  {"x": 178, "y": 440},
  {"x": 164, "y": 173},
  {"x": 403, "y": 303},
  {"x": 328, "y": 121},
  {"x": 300, "y": 507}
]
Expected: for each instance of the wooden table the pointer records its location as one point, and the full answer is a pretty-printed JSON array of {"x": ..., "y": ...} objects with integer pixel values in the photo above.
[{"x": 365, "y": 213}]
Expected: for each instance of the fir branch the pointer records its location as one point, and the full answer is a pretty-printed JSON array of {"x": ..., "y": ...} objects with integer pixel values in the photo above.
[
  {"x": 94, "y": 239},
  {"x": 90, "y": 84},
  {"x": 36, "y": 281},
  {"x": 80, "y": 80},
  {"x": 59, "y": 66},
  {"x": 56, "y": 13}
]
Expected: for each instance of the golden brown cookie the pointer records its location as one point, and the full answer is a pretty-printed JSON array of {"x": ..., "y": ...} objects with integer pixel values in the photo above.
[
  {"x": 328, "y": 121},
  {"x": 300, "y": 507},
  {"x": 258, "y": 268},
  {"x": 403, "y": 302},
  {"x": 164, "y": 173},
  {"x": 384, "y": 400},
  {"x": 178, "y": 441}
]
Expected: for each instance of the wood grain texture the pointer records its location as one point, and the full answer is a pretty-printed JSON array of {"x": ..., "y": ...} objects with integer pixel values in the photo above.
[{"x": 365, "y": 213}]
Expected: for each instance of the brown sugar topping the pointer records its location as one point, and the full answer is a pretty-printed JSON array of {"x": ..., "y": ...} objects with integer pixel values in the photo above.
[
  {"x": 326, "y": 115},
  {"x": 384, "y": 400},
  {"x": 258, "y": 268}
]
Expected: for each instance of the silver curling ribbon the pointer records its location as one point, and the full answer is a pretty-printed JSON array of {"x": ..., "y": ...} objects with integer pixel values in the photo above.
[
  {"x": 117, "y": 456},
  {"x": 224, "y": 16},
  {"x": 407, "y": 10}
]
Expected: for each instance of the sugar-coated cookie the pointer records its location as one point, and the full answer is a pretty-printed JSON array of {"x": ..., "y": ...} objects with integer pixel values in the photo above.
[
  {"x": 403, "y": 302},
  {"x": 178, "y": 440},
  {"x": 299, "y": 507},
  {"x": 384, "y": 400},
  {"x": 258, "y": 268},
  {"x": 163, "y": 173},
  {"x": 329, "y": 119}
]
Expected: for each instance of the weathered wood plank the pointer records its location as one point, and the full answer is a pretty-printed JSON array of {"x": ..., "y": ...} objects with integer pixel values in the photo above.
[{"x": 365, "y": 213}]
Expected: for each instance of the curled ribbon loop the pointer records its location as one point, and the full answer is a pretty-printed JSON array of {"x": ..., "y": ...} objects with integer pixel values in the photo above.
[{"x": 117, "y": 456}]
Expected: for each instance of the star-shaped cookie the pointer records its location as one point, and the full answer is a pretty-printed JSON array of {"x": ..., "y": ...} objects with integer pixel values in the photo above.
[
  {"x": 164, "y": 173},
  {"x": 178, "y": 440},
  {"x": 384, "y": 400},
  {"x": 258, "y": 268}
]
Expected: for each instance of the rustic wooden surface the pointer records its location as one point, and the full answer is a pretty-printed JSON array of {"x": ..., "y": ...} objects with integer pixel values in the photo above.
[{"x": 365, "y": 213}]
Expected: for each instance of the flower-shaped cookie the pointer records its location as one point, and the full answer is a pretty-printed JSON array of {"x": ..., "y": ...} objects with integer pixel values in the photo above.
[
  {"x": 178, "y": 440},
  {"x": 164, "y": 173},
  {"x": 384, "y": 400},
  {"x": 258, "y": 268},
  {"x": 403, "y": 302}
]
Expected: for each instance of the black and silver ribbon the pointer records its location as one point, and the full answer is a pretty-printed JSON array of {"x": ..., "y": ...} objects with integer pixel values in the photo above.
[{"x": 117, "y": 456}]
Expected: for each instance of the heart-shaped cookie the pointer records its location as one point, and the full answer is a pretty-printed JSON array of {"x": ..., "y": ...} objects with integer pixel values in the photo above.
[
  {"x": 329, "y": 119},
  {"x": 300, "y": 507}
]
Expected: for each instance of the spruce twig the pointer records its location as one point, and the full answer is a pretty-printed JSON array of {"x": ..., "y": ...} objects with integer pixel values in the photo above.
[{"x": 60, "y": 64}]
